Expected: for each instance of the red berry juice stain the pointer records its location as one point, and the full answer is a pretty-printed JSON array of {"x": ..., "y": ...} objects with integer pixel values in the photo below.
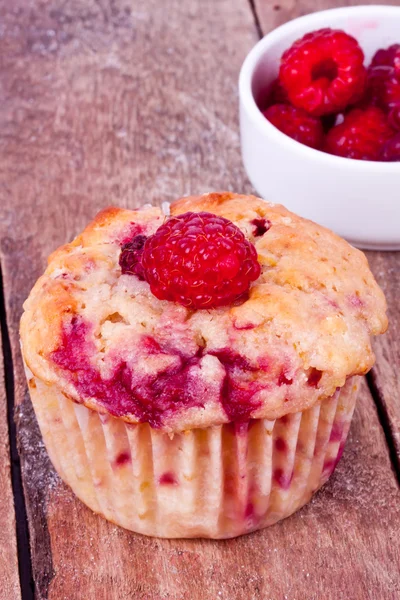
[
  {"x": 237, "y": 394},
  {"x": 122, "y": 459},
  {"x": 168, "y": 478},
  {"x": 261, "y": 226}
]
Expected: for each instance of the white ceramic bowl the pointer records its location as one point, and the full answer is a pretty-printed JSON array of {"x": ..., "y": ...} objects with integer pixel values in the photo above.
[{"x": 359, "y": 200}]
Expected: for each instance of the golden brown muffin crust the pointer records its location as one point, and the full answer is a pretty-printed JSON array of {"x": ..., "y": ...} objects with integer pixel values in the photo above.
[{"x": 304, "y": 329}]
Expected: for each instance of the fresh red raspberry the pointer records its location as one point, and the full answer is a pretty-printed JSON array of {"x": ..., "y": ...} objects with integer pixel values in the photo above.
[
  {"x": 277, "y": 94},
  {"x": 297, "y": 124},
  {"x": 391, "y": 91},
  {"x": 376, "y": 77},
  {"x": 387, "y": 57},
  {"x": 383, "y": 83},
  {"x": 383, "y": 88},
  {"x": 394, "y": 118},
  {"x": 323, "y": 72},
  {"x": 361, "y": 135},
  {"x": 200, "y": 260},
  {"x": 391, "y": 150},
  {"x": 131, "y": 255}
]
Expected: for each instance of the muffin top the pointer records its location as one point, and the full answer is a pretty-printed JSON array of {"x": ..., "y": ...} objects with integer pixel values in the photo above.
[{"x": 108, "y": 342}]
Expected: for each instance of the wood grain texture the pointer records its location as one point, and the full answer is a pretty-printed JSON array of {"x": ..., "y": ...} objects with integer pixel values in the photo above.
[
  {"x": 385, "y": 374},
  {"x": 385, "y": 266},
  {"x": 132, "y": 101},
  {"x": 343, "y": 545},
  {"x": 104, "y": 103},
  {"x": 9, "y": 579},
  {"x": 272, "y": 13}
]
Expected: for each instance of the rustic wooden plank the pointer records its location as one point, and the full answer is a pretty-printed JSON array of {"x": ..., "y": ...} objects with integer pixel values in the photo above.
[
  {"x": 123, "y": 103},
  {"x": 9, "y": 578},
  {"x": 101, "y": 105},
  {"x": 272, "y": 13},
  {"x": 386, "y": 266},
  {"x": 385, "y": 374},
  {"x": 343, "y": 545}
]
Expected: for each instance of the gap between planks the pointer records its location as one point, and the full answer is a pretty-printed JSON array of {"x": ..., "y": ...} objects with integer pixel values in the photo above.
[
  {"x": 22, "y": 530},
  {"x": 385, "y": 423},
  {"x": 257, "y": 22}
]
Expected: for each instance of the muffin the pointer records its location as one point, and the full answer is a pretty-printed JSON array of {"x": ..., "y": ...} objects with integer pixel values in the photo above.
[{"x": 195, "y": 375}]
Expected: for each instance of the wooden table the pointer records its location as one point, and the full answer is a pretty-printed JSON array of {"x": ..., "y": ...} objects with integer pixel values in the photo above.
[{"x": 131, "y": 101}]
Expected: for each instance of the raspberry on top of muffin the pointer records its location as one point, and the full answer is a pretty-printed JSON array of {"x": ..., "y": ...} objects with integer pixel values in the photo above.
[{"x": 116, "y": 323}]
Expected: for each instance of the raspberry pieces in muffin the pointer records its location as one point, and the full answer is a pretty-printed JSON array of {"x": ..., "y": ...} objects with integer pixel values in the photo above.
[{"x": 296, "y": 326}]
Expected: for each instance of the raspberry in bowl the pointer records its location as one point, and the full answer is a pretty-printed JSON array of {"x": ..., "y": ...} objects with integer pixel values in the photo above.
[
  {"x": 319, "y": 108},
  {"x": 195, "y": 375}
]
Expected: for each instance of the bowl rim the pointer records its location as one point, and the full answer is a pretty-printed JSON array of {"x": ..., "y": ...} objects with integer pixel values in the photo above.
[{"x": 249, "y": 104}]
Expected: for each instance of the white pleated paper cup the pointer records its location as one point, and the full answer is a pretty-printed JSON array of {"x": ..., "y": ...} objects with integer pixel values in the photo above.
[{"x": 218, "y": 482}]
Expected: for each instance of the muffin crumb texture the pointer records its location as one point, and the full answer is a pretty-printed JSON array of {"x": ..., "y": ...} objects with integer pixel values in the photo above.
[{"x": 106, "y": 342}]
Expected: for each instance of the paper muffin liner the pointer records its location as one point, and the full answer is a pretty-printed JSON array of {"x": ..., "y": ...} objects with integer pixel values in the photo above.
[{"x": 217, "y": 482}]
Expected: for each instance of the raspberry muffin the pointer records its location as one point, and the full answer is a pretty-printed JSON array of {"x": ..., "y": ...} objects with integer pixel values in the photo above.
[{"x": 195, "y": 375}]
